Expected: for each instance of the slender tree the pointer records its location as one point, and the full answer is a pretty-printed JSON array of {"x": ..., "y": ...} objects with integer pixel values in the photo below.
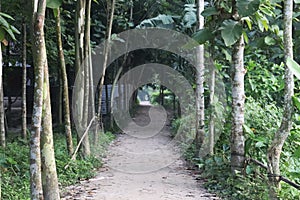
[
  {"x": 64, "y": 78},
  {"x": 283, "y": 132},
  {"x": 39, "y": 59},
  {"x": 2, "y": 113},
  {"x": 42, "y": 150},
  {"x": 111, "y": 8},
  {"x": 238, "y": 100},
  {"x": 24, "y": 83},
  {"x": 82, "y": 69},
  {"x": 200, "y": 84},
  {"x": 211, "y": 126}
]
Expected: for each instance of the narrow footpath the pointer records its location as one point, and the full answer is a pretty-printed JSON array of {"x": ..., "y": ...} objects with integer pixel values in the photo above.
[{"x": 133, "y": 171}]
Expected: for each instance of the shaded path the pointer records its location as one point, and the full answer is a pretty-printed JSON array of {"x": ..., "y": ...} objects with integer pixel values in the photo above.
[{"x": 173, "y": 182}]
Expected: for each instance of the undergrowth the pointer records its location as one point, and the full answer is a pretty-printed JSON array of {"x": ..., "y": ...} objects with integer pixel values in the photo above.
[{"x": 14, "y": 166}]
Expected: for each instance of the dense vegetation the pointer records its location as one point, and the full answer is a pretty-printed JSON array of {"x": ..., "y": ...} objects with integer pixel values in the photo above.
[{"x": 253, "y": 46}]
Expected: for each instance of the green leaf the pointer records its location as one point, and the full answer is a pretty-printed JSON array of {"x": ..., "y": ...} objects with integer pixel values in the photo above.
[
  {"x": 203, "y": 35},
  {"x": 227, "y": 55},
  {"x": 11, "y": 34},
  {"x": 296, "y": 102},
  {"x": 248, "y": 21},
  {"x": 269, "y": 41},
  {"x": 259, "y": 144},
  {"x": 294, "y": 67},
  {"x": 54, "y": 3},
  {"x": 15, "y": 30},
  {"x": 297, "y": 1},
  {"x": 297, "y": 153},
  {"x": 209, "y": 12},
  {"x": 55, "y": 12},
  {"x": 247, "y": 7},
  {"x": 248, "y": 130},
  {"x": 6, "y": 16},
  {"x": 262, "y": 21},
  {"x": 231, "y": 31},
  {"x": 2, "y": 34},
  {"x": 246, "y": 37},
  {"x": 4, "y": 23}
]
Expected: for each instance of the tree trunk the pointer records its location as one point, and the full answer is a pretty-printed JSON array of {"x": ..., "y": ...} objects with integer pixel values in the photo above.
[
  {"x": 49, "y": 175},
  {"x": 64, "y": 78},
  {"x": 82, "y": 71},
  {"x": 283, "y": 132},
  {"x": 111, "y": 7},
  {"x": 2, "y": 112},
  {"x": 238, "y": 102},
  {"x": 42, "y": 114},
  {"x": 200, "y": 84},
  {"x": 211, "y": 126},
  {"x": 86, "y": 150},
  {"x": 24, "y": 84},
  {"x": 39, "y": 59}
]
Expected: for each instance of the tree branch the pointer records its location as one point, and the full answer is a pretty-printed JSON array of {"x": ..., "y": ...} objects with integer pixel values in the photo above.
[{"x": 281, "y": 178}]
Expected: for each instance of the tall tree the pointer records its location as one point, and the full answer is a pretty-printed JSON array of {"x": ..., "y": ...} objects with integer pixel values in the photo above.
[
  {"x": 238, "y": 99},
  {"x": 24, "y": 83},
  {"x": 211, "y": 126},
  {"x": 64, "y": 78},
  {"x": 39, "y": 59},
  {"x": 2, "y": 113},
  {"x": 82, "y": 70},
  {"x": 200, "y": 84},
  {"x": 42, "y": 149},
  {"x": 281, "y": 135},
  {"x": 111, "y": 8}
]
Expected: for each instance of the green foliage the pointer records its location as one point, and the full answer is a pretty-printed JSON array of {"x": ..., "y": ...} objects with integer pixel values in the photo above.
[
  {"x": 247, "y": 7},
  {"x": 162, "y": 21},
  {"x": 203, "y": 35},
  {"x": 54, "y": 4},
  {"x": 294, "y": 67},
  {"x": 14, "y": 166},
  {"x": 261, "y": 123},
  {"x": 190, "y": 17},
  {"x": 264, "y": 80},
  {"x": 231, "y": 31},
  {"x": 6, "y": 28}
]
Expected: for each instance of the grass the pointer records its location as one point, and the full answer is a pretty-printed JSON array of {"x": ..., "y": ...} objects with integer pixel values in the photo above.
[{"x": 14, "y": 165}]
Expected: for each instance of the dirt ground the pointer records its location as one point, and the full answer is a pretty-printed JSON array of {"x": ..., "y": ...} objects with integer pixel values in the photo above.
[{"x": 139, "y": 167}]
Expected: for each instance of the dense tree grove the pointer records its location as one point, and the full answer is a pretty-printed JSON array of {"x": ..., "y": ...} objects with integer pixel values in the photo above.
[{"x": 55, "y": 119}]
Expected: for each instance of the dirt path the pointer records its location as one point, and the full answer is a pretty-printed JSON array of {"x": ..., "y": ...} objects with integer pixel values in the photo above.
[{"x": 134, "y": 171}]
